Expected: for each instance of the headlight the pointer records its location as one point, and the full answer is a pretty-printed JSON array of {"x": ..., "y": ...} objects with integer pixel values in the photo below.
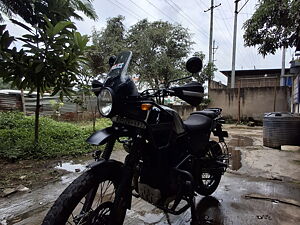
[{"x": 105, "y": 102}]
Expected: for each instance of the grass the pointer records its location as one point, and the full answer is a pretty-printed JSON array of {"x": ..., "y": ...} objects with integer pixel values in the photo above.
[{"x": 56, "y": 139}]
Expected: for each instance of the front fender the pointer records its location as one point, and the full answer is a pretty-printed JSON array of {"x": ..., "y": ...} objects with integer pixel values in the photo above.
[
  {"x": 102, "y": 163},
  {"x": 100, "y": 137}
]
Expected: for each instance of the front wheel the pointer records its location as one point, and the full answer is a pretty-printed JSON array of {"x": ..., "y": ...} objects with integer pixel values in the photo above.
[{"x": 89, "y": 199}]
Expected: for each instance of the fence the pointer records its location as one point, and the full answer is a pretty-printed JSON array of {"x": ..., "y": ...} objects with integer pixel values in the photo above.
[
  {"x": 70, "y": 110},
  {"x": 10, "y": 102}
]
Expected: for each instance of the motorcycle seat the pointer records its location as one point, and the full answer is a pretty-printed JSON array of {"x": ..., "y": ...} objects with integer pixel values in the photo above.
[
  {"x": 208, "y": 113},
  {"x": 197, "y": 122}
]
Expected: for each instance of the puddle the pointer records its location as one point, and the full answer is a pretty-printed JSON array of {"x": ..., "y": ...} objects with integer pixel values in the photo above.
[
  {"x": 237, "y": 141},
  {"x": 235, "y": 159},
  {"x": 240, "y": 141},
  {"x": 70, "y": 166}
]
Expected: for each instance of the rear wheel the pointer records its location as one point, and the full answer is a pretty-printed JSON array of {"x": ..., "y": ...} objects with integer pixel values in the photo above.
[
  {"x": 208, "y": 179},
  {"x": 88, "y": 200}
]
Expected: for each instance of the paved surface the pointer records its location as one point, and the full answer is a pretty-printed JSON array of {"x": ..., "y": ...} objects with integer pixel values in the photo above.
[{"x": 269, "y": 174}]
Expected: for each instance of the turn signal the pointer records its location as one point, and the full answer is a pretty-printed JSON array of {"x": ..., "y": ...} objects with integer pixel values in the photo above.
[{"x": 146, "y": 106}]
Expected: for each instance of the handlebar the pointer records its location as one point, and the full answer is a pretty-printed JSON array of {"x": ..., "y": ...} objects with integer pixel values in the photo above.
[{"x": 169, "y": 92}]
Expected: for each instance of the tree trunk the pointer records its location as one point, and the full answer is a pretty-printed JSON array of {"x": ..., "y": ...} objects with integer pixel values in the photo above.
[
  {"x": 23, "y": 102},
  {"x": 37, "y": 115}
]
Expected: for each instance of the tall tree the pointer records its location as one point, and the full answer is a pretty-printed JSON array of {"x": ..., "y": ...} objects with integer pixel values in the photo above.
[
  {"x": 159, "y": 50},
  {"x": 207, "y": 71},
  {"x": 273, "y": 25},
  {"x": 107, "y": 42}
]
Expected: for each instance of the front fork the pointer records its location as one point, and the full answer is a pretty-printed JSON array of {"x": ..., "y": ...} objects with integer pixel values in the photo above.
[{"x": 123, "y": 195}]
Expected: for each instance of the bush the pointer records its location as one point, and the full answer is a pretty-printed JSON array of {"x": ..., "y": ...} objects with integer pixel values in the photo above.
[{"x": 56, "y": 138}]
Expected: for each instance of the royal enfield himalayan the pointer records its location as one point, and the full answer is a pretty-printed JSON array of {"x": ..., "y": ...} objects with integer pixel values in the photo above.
[{"x": 169, "y": 160}]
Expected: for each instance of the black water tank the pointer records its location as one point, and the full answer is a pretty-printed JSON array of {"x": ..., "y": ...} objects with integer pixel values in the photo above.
[{"x": 281, "y": 129}]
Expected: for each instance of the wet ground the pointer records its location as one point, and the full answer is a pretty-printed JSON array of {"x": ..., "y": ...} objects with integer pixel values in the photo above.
[{"x": 262, "y": 186}]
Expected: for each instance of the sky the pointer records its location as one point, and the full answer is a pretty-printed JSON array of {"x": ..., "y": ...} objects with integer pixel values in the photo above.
[{"x": 190, "y": 14}]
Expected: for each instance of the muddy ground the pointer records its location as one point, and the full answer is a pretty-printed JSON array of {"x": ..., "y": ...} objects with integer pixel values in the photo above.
[{"x": 262, "y": 186}]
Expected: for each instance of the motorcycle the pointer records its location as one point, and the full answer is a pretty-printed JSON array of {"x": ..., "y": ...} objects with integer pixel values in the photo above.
[{"x": 169, "y": 161}]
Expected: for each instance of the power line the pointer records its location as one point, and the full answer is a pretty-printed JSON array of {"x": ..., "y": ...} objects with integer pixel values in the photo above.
[
  {"x": 226, "y": 23},
  {"x": 180, "y": 11},
  {"x": 125, "y": 7},
  {"x": 243, "y": 6},
  {"x": 132, "y": 14},
  {"x": 200, "y": 6},
  {"x": 203, "y": 3},
  {"x": 161, "y": 11},
  {"x": 142, "y": 9},
  {"x": 153, "y": 5}
]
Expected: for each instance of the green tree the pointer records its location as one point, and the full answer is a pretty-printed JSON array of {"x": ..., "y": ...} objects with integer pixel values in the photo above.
[
  {"x": 4, "y": 85},
  {"x": 208, "y": 70},
  {"x": 49, "y": 59},
  {"x": 52, "y": 49},
  {"x": 31, "y": 11},
  {"x": 273, "y": 25},
  {"x": 110, "y": 41},
  {"x": 159, "y": 51}
]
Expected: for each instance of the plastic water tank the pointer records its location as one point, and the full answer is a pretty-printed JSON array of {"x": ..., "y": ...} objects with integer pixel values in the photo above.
[{"x": 281, "y": 129}]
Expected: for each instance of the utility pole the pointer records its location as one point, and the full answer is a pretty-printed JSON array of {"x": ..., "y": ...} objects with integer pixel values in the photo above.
[
  {"x": 211, "y": 9},
  {"x": 236, "y": 12},
  {"x": 234, "y": 44}
]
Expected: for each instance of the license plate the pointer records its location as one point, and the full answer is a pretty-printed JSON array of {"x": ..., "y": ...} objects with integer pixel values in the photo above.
[{"x": 129, "y": 122}]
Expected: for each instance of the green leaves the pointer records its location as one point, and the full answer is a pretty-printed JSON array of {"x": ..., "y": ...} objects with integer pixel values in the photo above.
[
  {"x": 58, "y": 28},
  {"x": 160, "y": 49},
  {"x": 50, "y": 57},
  {"x": 80, "y": 41},
  {"x": 62, "y": 25},
  {"x": 273, "y": 25},
  {"x": 39, "y": 68}
]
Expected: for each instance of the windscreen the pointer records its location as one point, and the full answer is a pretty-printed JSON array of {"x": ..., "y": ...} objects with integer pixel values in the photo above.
[
  {"x": 117, "y": 78},
  {"x": 121, "y": 64}
]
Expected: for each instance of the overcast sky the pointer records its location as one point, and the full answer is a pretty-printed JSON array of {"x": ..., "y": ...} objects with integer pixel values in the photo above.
[{"x": 190, "y": 14}]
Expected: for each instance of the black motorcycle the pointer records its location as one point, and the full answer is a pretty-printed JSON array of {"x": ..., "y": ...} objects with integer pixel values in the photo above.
[{"x": 169, "y": 161}]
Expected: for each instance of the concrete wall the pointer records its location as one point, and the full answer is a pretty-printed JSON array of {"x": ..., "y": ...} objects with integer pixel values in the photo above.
[
  {"x": 254, "y": 102},
  {"x": 185, "y": 110}
]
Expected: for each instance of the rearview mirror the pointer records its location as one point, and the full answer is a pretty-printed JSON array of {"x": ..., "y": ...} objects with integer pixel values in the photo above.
[
  {"x": 112, "y": 60},
  {"x": 194, "y": 65}
]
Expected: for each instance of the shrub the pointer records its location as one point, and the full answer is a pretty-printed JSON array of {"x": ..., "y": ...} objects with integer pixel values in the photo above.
[{"x": 56, "y": 138}]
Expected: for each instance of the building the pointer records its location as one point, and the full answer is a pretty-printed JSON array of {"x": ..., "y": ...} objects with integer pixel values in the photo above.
[
  {"x": 259, "y": 78},
  {"x": 295, "y": 69},
  {"x": 256, "y": 92}
]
